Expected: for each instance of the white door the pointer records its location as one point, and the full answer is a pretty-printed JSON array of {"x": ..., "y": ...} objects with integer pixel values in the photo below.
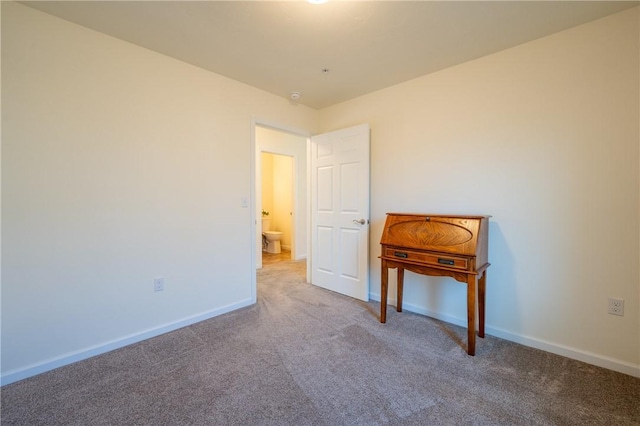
[{"x": 340, "y": 211}]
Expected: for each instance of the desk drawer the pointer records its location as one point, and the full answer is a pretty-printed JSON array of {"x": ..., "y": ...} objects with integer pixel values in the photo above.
[{"x": 444, "y": 260}]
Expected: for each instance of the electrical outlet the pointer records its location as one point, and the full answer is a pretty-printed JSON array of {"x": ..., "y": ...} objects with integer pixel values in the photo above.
[
  {"x": 158, "y": 284},
  {"x": 616, "y": 306}
]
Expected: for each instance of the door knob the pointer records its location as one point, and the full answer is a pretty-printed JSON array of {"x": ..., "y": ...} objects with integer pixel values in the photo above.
[{"x": 360, "y": 222}]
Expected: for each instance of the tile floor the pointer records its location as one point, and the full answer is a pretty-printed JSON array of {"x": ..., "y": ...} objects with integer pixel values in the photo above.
[{"x": 271, "y": 258}]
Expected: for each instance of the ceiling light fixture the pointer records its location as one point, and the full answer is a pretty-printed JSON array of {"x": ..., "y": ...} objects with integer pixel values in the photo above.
[
  {"x": 295, "y": 96},
  {"x": 316, "y": 1}
]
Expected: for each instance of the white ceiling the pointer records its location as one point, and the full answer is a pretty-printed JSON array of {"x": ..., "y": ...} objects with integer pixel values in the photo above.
[{"x": 283, "y": 47}]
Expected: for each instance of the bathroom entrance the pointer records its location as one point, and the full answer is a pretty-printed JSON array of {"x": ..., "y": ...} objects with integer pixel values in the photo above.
[
  {"x": 277, "y": 207},
  {"x": 280, "y": 195}
]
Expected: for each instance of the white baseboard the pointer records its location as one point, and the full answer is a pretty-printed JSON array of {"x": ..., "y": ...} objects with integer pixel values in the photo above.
[
  {"x": 584, "y": 356},
  {"x": 42, "y": 367},
  {"x": 566, "y": 351}
]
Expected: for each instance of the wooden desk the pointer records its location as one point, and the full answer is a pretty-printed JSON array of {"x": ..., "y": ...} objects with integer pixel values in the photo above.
[{"x": 439, "y": 245}]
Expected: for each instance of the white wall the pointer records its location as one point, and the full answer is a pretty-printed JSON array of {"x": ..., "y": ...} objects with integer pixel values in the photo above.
[
  {"x": 545, "y": 138},
  {"x": 292, "y": 144},
  {"x": 119, "y": 165}
]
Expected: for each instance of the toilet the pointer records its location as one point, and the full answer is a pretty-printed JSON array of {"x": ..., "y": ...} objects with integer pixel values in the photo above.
[
  {"x": 272, "y": 237},
  {"x": 273, "y": 241}
]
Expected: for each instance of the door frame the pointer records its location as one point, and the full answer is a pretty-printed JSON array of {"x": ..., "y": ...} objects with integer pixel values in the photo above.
[{"x": 254, "y": 193}]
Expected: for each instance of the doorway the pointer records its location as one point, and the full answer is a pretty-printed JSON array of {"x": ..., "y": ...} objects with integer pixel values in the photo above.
[
  {"x": 277, "y": 207},
  {"x": 286, "y": 150},
  {"x": 267, "y": 137}
]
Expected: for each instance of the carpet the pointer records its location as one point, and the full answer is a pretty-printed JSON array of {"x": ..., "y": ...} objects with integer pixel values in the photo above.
[{"x": 303, "y": 355}]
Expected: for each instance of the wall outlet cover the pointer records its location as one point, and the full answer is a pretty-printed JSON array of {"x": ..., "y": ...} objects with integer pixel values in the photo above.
[
  {"x": 158, "y": 284},
  {"x": 616, "y": 306}
]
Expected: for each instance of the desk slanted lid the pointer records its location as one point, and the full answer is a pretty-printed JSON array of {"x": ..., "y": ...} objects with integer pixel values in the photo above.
[{"x": 456, "y": 234}]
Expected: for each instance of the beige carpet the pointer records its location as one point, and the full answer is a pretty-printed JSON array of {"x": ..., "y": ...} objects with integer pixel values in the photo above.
[{"x": 306, "y": 356}]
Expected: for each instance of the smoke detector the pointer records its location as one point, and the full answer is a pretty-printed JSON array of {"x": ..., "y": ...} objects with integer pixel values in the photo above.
[{"x": 295, "y": 96}]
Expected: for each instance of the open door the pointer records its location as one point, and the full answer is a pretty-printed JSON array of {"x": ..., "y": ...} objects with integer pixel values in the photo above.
[{"x": 340, "y": 211}]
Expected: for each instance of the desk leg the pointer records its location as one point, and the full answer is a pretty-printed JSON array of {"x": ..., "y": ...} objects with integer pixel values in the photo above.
[
  {"x": 482, "y": 287},
  {"x": 400, "y": 288},
  {"x": 471, "y": 314},
  {"x": 384, "y": 285}
]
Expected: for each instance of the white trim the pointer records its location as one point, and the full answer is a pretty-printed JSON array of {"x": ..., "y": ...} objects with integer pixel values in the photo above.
[
  {"x": 257, "y": 121},
  {"x": 555, "y": 348},
  {"x": 91, "y": 351},
  {"x": 309, "y": 229},
  {"x": 255, "y": 259}
]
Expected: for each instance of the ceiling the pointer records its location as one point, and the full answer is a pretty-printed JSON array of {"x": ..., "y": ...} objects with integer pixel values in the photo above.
[{"x": 282, "y": 47}]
